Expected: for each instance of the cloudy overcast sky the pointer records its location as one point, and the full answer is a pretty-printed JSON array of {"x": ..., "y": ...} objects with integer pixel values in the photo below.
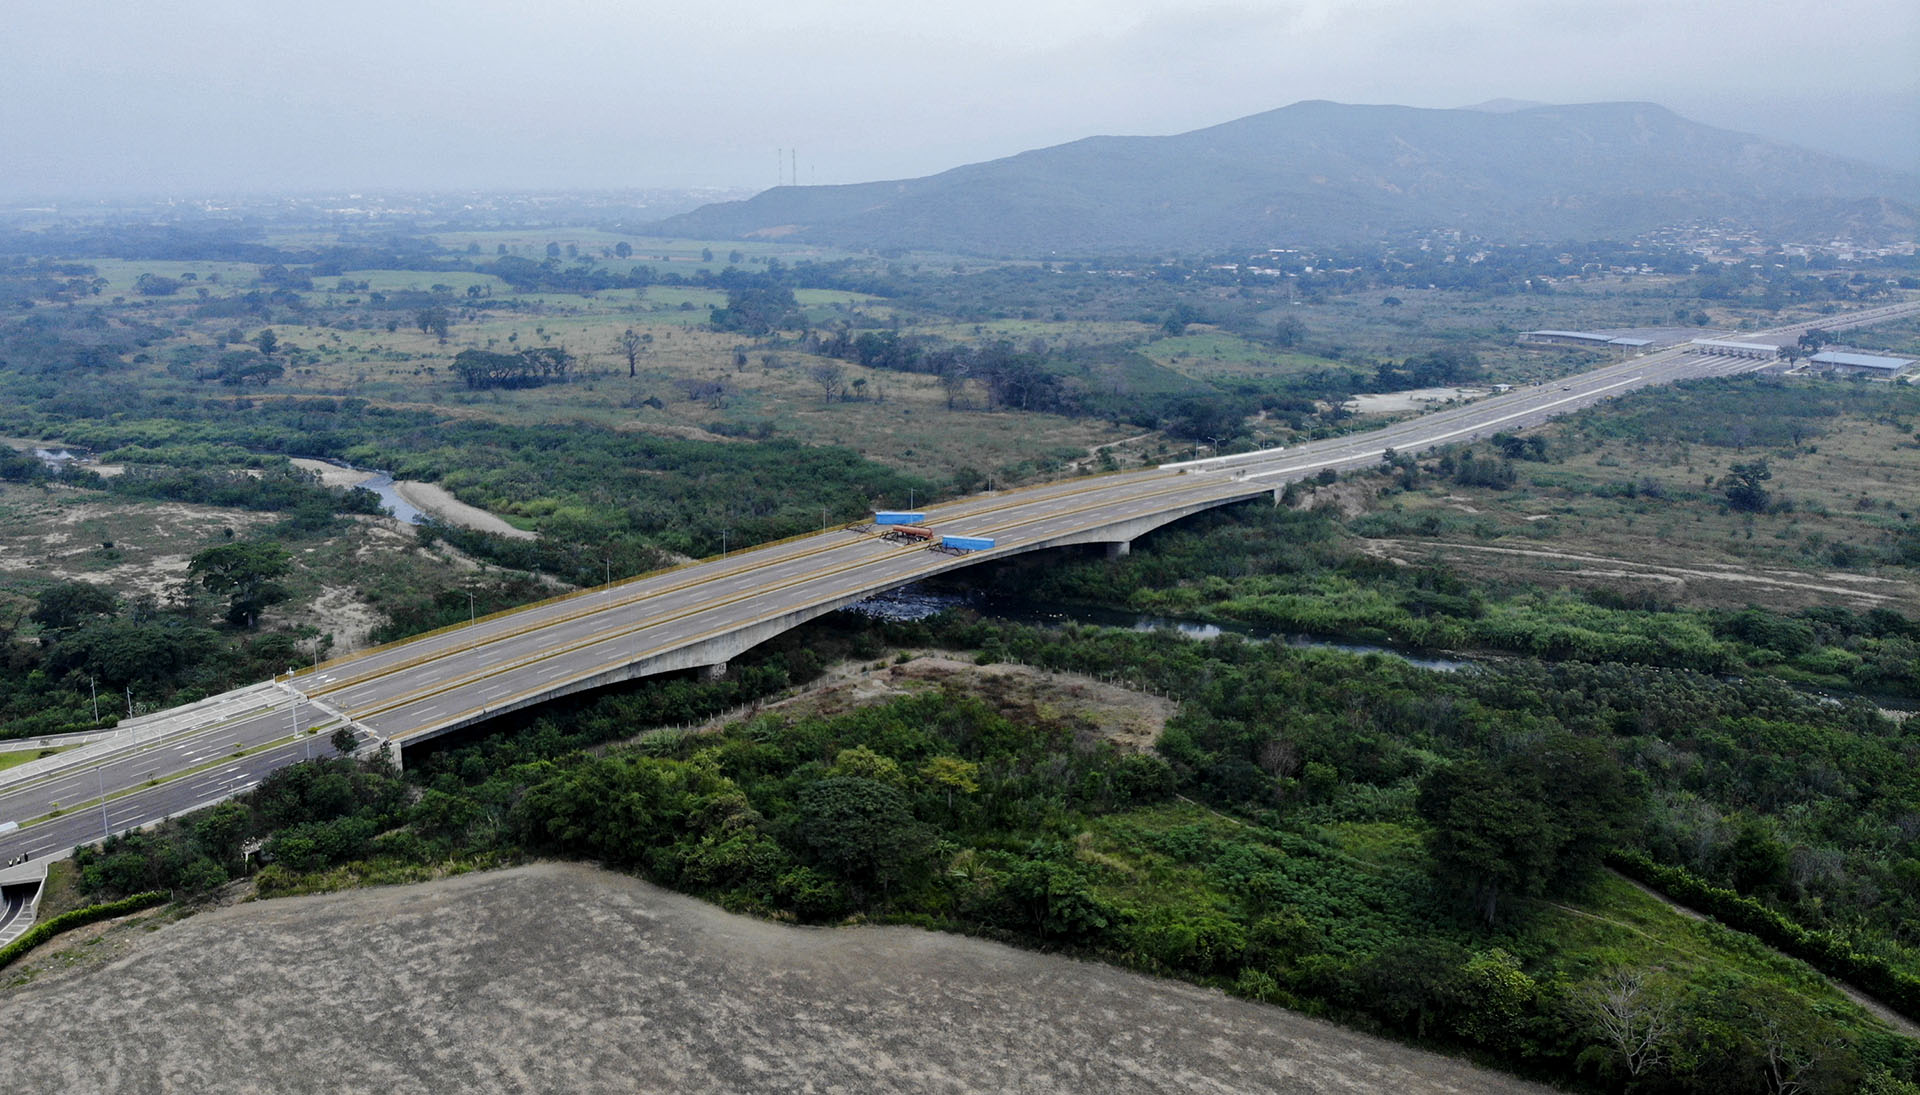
[{"x": 223, "y": 96}]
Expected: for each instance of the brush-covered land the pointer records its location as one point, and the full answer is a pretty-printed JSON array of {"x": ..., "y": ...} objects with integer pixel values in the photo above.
[{"x": 1687, "y": 613}]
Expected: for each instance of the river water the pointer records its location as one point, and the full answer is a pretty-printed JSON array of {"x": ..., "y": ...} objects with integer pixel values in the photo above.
[
  {"x": 380, "y": 483},
  {"x": 917, "y": 603}
]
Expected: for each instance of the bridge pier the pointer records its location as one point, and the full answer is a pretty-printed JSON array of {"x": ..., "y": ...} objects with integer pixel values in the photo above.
[{"x": 1119, "y": 549}]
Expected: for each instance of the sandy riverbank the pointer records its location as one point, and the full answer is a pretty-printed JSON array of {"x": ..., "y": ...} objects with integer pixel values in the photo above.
[
  {"x": 428, "y": 498},
  {"x": 425, "y": 497}
]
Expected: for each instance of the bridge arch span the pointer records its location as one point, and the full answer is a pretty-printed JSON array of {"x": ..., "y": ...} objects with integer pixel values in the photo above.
[{"x": 715, "y": 651}]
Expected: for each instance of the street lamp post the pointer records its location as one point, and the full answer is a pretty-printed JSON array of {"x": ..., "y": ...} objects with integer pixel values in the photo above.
[
  {"x": 93, "y": 686},
  {"x": 106, "y": 831},
  {"x": 471, "y": 618},
  {"x": 609, "y": 563},
  {"x": 723, "y": 543}
]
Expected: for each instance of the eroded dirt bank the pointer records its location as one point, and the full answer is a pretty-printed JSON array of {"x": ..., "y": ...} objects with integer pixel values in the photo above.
[{"x": 561, "y": 977}]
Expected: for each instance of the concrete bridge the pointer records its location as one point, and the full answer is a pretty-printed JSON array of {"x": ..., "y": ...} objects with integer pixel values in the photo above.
[{"x": 699, "y": 616}]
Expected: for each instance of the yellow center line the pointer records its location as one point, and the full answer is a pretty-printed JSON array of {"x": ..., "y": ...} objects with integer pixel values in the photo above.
[
  {"x": 667, "y": 647},
  {"x": 984, "y": 506},
  {"x": 442, "y": 687}
]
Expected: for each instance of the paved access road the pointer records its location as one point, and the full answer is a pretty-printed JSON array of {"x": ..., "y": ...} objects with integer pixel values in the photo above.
[{"x": 411, "y": 690}]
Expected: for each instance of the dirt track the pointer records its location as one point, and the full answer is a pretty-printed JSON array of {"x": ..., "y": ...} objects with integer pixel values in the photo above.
[{"x": 564, "y": 978}]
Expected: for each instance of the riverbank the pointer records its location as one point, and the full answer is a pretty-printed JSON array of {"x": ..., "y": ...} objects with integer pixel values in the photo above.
[{"x": 427, "y": 498}]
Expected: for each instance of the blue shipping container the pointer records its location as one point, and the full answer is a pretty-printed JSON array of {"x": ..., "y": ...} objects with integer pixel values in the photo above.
[
  {"x": 967, "y": 543},
  {"x": 895, "y": 517}
]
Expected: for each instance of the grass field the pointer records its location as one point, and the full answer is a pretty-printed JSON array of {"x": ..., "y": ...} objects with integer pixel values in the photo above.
[
  {"x": 21, "y": 756},
  {"x": 1646, "y": 510},
  {"x": 1207, "y": 354}
]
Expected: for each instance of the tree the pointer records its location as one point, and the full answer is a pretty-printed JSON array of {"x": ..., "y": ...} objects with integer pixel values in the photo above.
[
  {"x": 434, "y": 320},
  {"x": 1289, "y": 332},
  {"x": 1632, "y": 1014},
  {"x": 757, "y": 311},
  {"x": 831, "y": 376},
  {"x": 267, "y": 341},
  {"x": 859, "y": 829},
  {"x": 623, "y": 249},
  {"x": 343, "y": 741},
  {"x": 246, "y": 572},
  {"x": 1208, "y": 418},
  {"x": 72, "y": 604},
  {"x": 1540, "y": 819},
  {"x": 153, "y": 285},
  {"x": 1742, "y": 486},
  {"x": 1485, "y": 835},
  {"x": 629, "y": 344},
  {"x": 952, "y": 774},
  {"x": 953, "y": 381}
]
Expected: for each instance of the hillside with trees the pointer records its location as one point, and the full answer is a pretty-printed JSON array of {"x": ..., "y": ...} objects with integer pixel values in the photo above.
[{"x": 1320, "y": 173}]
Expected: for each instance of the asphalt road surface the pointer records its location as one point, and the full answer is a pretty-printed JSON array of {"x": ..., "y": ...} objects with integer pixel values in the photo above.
[{"x": 411, "y": 690}]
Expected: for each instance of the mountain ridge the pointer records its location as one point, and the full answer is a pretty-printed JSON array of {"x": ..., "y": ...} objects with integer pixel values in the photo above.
[{"x": 1318, "y": 173}]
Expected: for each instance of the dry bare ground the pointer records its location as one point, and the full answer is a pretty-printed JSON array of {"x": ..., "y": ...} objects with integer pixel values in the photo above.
[
  {"x": 431, "y": 498},
  {"x": 561, "y": 977},
  {"x": 1093, "y": 708}
]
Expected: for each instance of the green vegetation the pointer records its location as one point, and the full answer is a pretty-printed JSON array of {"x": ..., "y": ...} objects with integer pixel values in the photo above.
[
  {"x": 1411, "y": 852},
  {"x": 78, "y": 918},
  {"x": 1710, "y": 493},
  {"x": 1313, "y": 829},
  {"x": 21, "y": 756}
]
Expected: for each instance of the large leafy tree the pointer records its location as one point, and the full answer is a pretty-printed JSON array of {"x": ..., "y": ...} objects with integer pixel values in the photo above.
[
  {"x": 1538, "y": 820},
  {"x": 71, "y": 604},
  {"x": 247, "y": 573},
  {"x": 860, "y": 830},
  {"x": 1742, "y": 486}
]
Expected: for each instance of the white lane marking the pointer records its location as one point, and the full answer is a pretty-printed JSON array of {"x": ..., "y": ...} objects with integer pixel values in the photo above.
[{"x": 1439, "y": 438}]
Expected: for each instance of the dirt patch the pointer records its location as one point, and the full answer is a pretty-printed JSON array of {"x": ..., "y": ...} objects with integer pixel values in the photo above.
[
  {"x": 63, "y": 535},
  {"x": 336, "y": 610},
  {"x": 1349, "y": 497},
  {"x": 1093, "y": 709},
  {"x": 429, "y": 498},
  {"x": 1419, "y": 399},
  {"x": 333, "y": 475},
  {"x": 562, "y": 977}
]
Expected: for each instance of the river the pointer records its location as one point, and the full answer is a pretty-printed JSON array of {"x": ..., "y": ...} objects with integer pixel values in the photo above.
[{"x": 916, "y": 602}]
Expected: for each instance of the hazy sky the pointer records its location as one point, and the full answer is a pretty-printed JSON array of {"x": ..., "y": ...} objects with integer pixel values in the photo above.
[{"x": 197, "y": 96}]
